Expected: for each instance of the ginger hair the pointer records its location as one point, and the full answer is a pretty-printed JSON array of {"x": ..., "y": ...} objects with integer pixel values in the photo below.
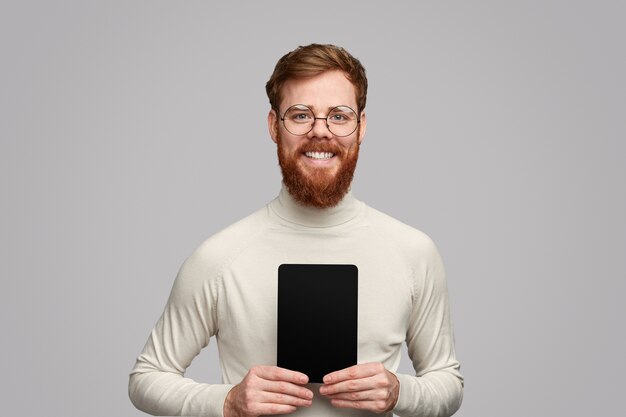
[{"x": 314, "y": 59}]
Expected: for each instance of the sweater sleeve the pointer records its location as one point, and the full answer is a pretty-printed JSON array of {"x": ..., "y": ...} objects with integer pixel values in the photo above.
[
  {"x": 157, "y": 384},
  {"x": 436, "y": 390}
]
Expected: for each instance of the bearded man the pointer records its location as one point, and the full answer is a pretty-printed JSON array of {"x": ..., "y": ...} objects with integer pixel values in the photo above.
[{"x": 228, "y": 287}]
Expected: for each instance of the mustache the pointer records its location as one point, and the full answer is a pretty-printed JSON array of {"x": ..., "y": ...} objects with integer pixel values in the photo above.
[{"x": 320, "y": 147}]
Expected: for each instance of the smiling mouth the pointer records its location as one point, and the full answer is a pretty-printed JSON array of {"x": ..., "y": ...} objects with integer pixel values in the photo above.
[{"x": 320, "y": 156}]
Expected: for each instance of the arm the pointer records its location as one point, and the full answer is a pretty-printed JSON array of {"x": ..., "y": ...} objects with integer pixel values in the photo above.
[
  {"x": 437, "y": 387},
  {"x": 157, "y": 385}
]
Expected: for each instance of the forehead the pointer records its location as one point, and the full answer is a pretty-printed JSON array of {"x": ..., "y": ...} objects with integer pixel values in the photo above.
[{"x": 322, "y": 91}]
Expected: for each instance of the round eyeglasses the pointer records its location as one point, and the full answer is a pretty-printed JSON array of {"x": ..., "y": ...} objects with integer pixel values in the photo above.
[{"x": 300, "y": 119}]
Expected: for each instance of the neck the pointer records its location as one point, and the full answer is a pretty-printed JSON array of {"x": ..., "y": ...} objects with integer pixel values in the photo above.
[{"x": 287, "y": 208}]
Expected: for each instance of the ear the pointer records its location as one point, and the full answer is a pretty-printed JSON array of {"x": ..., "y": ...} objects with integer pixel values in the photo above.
[
  {"x": 272, "y": 125},
  {"x": 362, "y": 127}
]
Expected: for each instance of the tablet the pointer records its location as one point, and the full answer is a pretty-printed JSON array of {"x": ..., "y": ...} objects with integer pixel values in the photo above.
[{"x": 317, "y": 318}]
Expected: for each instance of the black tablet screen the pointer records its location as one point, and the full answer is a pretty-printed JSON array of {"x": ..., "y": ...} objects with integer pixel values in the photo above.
[{"x": 317, "y": 318}]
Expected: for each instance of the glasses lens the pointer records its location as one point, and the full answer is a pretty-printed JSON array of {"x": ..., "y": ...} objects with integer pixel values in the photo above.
[
  {"x": 298, "y": 120},
  {"x": 342, "y": 121}
]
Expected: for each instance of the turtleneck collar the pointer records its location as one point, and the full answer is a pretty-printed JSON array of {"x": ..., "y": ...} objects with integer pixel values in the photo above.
[{"x": 287, "y": 208}]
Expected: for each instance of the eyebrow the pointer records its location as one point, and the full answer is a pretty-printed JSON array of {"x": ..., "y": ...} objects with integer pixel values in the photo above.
[{"x": 314, "y": 108}]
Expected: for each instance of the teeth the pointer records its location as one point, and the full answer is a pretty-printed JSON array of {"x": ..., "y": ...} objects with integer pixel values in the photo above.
[{"x": 319, "y": 155}]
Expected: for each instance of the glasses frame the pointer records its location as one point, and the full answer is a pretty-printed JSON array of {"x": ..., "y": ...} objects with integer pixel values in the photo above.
[{"x": 325, "y": 119}]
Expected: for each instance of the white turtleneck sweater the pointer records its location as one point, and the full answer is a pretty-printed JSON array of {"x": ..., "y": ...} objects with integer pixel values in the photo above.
[{"x": 228, "y": 289}]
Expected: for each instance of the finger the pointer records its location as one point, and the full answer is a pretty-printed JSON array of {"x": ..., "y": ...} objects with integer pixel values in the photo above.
[
  {"x": 275, "y": 373},
  {"x": 269, "y": 409},
  {"x": 351, "y": 385},
  {"x": 375, "y": 406},
  {"x": 285, "y": 399},
  {"x": 357, "y": 371},
  {"x": 369, "y": 395},
  {"x": 285, "y": 388}
]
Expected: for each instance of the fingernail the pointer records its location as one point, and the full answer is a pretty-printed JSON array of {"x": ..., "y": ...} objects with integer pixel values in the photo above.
[{"x": 326, "y": 379}]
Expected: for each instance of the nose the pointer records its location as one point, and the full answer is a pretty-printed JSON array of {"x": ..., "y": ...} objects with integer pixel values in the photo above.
[{"x": 320, "y": 129}]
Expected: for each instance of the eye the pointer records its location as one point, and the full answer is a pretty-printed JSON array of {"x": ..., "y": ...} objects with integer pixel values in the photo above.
[
  {"x": 300, "y": 117},
  {"x": 340, "y": 117},
  {"x": 299, "y": 114}
]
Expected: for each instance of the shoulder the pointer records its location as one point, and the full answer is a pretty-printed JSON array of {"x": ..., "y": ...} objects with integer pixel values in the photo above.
[
  {"x": 417, "y": 250},
  {"x": 221, "y": 246},
  {"x": 401, "y": 235},
  {"x": 208, "y": 260}
]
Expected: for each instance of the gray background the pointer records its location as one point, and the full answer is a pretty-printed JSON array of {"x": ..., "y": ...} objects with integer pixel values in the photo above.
[{"x": 496, "y": 127}]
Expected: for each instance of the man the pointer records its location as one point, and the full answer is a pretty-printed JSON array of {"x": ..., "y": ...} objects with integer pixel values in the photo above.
[{"x": 228, "y": 287}]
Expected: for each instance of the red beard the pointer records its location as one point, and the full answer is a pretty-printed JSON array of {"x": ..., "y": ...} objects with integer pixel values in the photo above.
[{"x": 317, "y": 187}]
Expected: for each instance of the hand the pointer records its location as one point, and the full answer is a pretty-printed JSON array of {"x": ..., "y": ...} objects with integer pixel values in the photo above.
[
  {"x": 268, "y": 390},
  {"x": 367, "y": 386}
]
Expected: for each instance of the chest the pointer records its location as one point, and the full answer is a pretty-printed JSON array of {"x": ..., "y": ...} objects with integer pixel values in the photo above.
[{"x": 247, "y": 309}]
